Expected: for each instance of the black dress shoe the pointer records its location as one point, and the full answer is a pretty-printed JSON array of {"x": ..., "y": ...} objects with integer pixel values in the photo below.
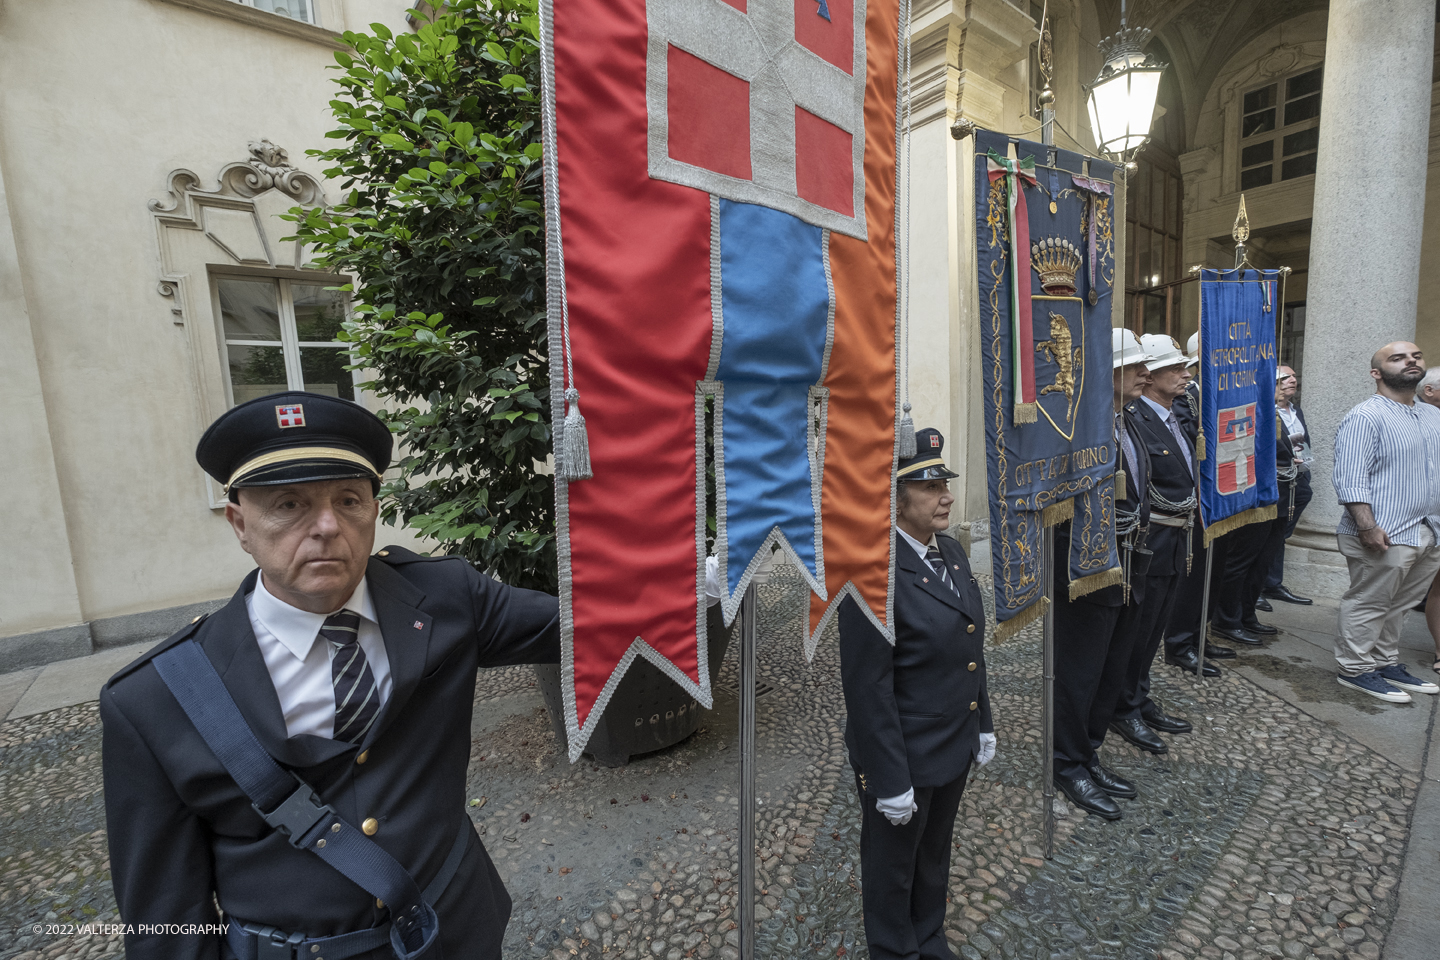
[
  {"x": 1252, "y": 625},
  {"x": 1137, "y": 733},
  {"x": 1216, "y": 652},
  {"x": 1111, "y": 782},
  {"x": 1083, "y": 792},
  {"x": 1236, "y": 636},
  {"x": 1263, "y": 605},
  {"x": 1157, "y": 719},
  {"x": 1282, "y": 592},
  {"x": 1187, "y": 661}
]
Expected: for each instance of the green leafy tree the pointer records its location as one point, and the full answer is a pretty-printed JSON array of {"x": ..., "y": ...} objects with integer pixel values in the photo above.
[{"x": 442, "y": 224}]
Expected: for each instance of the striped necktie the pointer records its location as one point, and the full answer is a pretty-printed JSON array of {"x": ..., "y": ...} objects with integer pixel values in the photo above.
[
  {"x": 357, "y": 699},
  {"x": 932, "y": 555}
]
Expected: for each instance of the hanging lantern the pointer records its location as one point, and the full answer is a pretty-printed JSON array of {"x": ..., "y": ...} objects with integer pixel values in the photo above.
[{"x": 1122, "y": 98}]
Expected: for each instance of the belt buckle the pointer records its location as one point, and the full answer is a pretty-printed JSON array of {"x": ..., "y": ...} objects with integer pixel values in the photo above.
[{"x": 272, "y": 943}]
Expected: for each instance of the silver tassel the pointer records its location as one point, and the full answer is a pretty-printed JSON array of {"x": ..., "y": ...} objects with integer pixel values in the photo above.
[
  {"x": 575, "y": 443},
  {"x": 907, "y": 433}
]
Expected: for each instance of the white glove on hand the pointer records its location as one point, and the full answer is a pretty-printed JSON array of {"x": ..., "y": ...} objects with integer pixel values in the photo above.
[
  {"x": 987, "y": 749},
  {"x": 712, "y": 581},
  {"x": 898, "y": 809}
]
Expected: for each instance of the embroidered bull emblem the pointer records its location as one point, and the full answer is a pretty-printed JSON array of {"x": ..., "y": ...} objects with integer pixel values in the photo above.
[{"x": 1059, "y": 349}]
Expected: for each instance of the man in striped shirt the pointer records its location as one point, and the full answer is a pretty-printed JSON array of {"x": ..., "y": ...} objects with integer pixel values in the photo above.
[{"x": 1387, "y": 475}]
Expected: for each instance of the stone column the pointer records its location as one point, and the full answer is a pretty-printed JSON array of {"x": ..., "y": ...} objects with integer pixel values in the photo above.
[{"x": 1369, "y": 213}]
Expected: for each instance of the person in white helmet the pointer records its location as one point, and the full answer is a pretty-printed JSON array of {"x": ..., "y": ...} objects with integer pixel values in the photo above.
[
  {"x": 1095, "y": 634},
  {"x": 1182, "y": 632},
  {"x": 1172, "y": 520}
]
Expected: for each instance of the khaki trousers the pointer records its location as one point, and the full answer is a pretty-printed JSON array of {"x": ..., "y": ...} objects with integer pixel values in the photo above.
[{"x": 1383, "y": 586}]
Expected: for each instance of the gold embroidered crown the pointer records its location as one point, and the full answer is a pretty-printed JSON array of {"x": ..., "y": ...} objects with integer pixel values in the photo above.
[{"x": 1057, "y": 262}]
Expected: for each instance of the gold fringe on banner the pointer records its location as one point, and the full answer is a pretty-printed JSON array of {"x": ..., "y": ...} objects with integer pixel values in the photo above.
[
  {"x": 1096, "y": 581},
  {"x": 1241, "y": 519},
  {"x": 1120, "y": 486},
  {"x": 1058, "y": 513},
  {"x": 1027, "y": 412},
  {"x": 1004, "y": 631}
]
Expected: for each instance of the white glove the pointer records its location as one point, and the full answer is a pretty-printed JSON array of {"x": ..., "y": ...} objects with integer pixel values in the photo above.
[
  {"x": 987, "y": 749},
  {"x": 898, "y": 809},
  {"x": 712, "y": 581}
]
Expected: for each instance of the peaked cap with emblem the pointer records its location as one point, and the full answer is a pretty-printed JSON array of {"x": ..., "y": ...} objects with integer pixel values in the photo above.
[
  {"x": 294, "y": 437},
  {"x": 927, "y": 464}
]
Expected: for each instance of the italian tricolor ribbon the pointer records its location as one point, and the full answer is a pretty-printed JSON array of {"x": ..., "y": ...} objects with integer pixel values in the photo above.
[{"x": 1017, "y": 228}]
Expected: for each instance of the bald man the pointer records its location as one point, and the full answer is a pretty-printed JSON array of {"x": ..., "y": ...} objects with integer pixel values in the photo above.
[
  {"x": 1429, "y": 391},
  {"x": 1387, "y": 475}
]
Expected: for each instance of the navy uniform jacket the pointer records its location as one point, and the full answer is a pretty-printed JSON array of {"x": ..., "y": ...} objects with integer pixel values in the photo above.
[
  {"x": 1171, "y": 478},
  {"x": 916, "y": 710},
  {"x": 1137, "y": 500},
  {"x": 181, "y": 831}
]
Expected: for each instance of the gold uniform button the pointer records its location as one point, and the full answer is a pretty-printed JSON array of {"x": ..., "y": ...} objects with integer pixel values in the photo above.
[
  {"x": 974, "y": 705},
  {"x": 379, "y": 904},
  {"x": 971, "y": 666},
  {"x": 196, "y": 620},
  {"x": 365, "y": 755},
  {"x": 383, "y": 553},
  {"x": 371, "y": 826},
  {"x": 1165, "y": 451},
  {"x": 970, "y": 629}
]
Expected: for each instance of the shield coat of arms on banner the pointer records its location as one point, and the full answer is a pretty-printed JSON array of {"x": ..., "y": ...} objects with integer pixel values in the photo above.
[
  {"x": 1060, "y": 358},
  {"x": 1235, "y": 449}
]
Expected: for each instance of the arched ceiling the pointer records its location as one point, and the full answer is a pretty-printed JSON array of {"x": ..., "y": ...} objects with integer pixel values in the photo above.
[{"x": 1201, "y": 35}]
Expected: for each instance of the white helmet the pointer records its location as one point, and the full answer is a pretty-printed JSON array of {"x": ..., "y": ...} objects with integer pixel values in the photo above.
[
  {"x": 1125, "y": 348},
  {"x": 1192, "y": 346},
  {"x": 1164, "y": 351}
]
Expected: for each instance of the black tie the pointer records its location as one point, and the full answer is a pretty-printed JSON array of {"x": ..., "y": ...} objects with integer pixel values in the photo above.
[
  {"x": 357, "y": 700},
  {"x": 932, "y": 555}
]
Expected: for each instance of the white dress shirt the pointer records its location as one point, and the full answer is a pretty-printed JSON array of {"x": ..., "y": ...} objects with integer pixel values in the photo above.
[
  {"x": 921, "y": 548},
  {"x": 299, "y": 663}
]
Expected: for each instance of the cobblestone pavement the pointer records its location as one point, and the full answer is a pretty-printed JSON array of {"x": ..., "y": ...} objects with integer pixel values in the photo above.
[{"x": 1263, "y": 834}]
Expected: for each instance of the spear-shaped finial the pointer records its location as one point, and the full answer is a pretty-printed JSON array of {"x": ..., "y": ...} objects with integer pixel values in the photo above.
[{"x": 1241, "y": 231}]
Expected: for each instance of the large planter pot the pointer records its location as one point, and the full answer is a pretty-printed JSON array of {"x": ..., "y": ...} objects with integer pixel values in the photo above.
[{"x": 648, "y": 710}]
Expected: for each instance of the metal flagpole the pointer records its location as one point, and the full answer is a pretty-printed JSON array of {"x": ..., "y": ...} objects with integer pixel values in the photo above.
[
  {"x": 1240, "y": 233},
  {"x": 746, "y": 908},
  {"x": 1047, "y": 554}
]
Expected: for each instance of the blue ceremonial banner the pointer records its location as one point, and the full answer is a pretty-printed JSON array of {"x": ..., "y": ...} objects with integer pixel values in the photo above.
[
  {"x": 1046, "y": 268},
  {"x": 1238, "y": 311}
]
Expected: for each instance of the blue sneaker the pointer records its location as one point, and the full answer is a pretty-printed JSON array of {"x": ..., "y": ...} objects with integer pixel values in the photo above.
[
  {"x": 1397, "y": 676},
  {"x": 1376, "y": 686}
]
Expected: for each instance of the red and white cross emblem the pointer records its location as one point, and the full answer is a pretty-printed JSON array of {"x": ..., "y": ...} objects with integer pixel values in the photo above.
[
  {"x": 761, "y": 101},
  {"x": 1235, "y": 454},
  {"x": 290, "y": 415}
]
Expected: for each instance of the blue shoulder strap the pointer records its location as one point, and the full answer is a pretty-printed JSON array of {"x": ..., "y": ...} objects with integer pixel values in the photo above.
[{"x": 288, "y": 803}]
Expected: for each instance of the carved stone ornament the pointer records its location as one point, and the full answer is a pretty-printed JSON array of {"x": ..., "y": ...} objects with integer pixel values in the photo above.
[
  {"x": 267, "y": 169},
  {"x": 239, "y": 221}
]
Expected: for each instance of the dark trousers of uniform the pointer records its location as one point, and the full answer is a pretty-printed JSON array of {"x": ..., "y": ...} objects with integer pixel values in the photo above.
[
  {"x": 1094, "y": 645},
  {"x": 1158, "y": 595},
  {"x": 1182, "y": 629},
  {"x": 1248, "y": 555},
  {"x": 1303, "y": 495},
  {"x": 905, "y": 874}
]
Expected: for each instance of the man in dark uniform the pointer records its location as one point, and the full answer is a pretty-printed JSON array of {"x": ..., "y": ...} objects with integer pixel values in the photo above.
[
  {"x": 1095, "y": 633},
  {"x": 1182, "y": 633},
  {"x": 918, "y": 714},
  {"x": 1172, "y": 515},
  {"x": 356, "y": 675},
  {"x": 1250, "y": 553},
  {"x": 1293, "y": 425}
]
